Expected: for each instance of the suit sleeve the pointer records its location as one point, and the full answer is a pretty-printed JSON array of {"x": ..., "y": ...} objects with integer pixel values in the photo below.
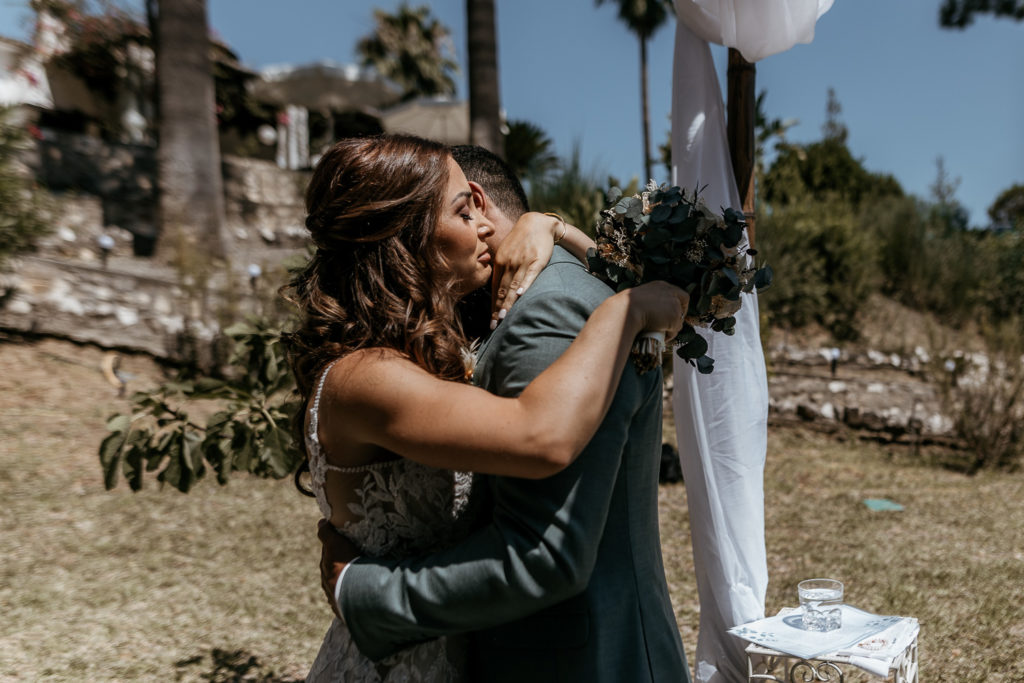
[{"x": 541, "y": 543}]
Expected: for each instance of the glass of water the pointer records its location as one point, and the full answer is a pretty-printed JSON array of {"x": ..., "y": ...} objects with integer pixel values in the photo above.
[{"x": 820, "y": 601}]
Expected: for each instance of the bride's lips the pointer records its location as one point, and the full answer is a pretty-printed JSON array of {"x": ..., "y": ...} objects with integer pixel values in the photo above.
[{"x": 484, "y": 257}]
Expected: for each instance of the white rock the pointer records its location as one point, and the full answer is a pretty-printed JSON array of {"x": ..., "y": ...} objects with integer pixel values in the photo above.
[
  {"x": 876, "y": 388},
  {"x": 836, "y": 386},
  {"x": 172, "y": 323},
  {"x": 66, "y": 234},
  {"x": 19, "y": 306},
  {"x": 162, "y": 305},
  {"x": 126, "y": 316}
]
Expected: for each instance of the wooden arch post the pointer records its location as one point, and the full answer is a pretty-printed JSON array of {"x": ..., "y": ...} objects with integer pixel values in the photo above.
[{"x": 741, "y": 115}]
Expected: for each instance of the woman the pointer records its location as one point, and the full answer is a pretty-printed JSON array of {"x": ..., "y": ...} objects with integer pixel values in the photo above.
[{"x": 379, "y": 358}]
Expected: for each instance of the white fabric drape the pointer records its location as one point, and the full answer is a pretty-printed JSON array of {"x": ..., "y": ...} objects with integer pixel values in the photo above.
[
  {"x": 721, "y": 418},
  {"x": 757, "y": 28}
]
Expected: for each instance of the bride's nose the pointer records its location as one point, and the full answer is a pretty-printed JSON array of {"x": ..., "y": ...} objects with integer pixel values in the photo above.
[{"x": 484, "y": 228}]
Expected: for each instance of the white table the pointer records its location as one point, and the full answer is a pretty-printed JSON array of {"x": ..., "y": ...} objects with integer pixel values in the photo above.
[{"x": 765, "y": 664}]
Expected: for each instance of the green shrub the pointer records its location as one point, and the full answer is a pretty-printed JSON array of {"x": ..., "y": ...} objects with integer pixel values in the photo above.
[
  {"x": 987, "y": 406},
  {"x": 250, "y": 431},
  {"x": 22, "y": 213},
  {"x": 824, "y": 264}
]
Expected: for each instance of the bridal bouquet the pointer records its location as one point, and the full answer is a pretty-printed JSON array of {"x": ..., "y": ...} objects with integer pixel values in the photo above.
[{"x": 663, "y": 233}]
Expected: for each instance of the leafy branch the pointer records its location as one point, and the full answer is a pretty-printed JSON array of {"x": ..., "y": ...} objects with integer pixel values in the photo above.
[{"x": 249, "y": 433}]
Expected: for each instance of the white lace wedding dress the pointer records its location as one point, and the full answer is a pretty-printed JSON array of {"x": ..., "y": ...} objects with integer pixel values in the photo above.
[{"x": 399, "y": 508}]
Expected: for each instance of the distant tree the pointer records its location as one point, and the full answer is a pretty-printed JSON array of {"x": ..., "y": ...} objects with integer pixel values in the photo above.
[
  {"x": 413, "y": 49},
  {"x": 1008, "y": 208},
  {"x": 643, "y": 18},
  {"x": 484, "y": 91},
  {"x": 529, "y": 150},
  {"x": 189, "y": 181},
  {"x": 960, "y": 13},
  {"x": 948, "y": 210},
  {"x": 767, "y": 128},
  {"x": 834, "y": 128},
  {"x": 821, "y": 171}
]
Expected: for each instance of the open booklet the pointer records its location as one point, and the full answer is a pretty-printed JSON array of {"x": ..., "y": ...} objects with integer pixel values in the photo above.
[{"x": 869, "y": 641}]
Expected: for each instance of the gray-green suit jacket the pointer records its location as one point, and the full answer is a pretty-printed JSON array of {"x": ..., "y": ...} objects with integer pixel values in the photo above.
[{"x": 565, "y": 583}]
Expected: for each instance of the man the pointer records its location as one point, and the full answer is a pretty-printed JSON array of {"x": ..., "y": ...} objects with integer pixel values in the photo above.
[{"x": 565, "y": 582}]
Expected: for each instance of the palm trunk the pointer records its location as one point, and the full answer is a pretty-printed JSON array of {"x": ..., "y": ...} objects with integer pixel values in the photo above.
[
  {"x": 190, "y": 186},
  {"x": 484, "y": 96},
  {"x": 645, "y": 109}
]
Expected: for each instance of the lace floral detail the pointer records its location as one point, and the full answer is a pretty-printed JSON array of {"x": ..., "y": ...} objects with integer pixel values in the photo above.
[
  {"x": 340, "y": 660},
  {"x": 408, "y": 509},
  {"x": 400, "y": 509}
]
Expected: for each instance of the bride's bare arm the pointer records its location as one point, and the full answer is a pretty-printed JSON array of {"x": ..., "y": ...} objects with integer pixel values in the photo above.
[
  {"x": 378, "y": 398},
  {"x": 525, "y": 252}
]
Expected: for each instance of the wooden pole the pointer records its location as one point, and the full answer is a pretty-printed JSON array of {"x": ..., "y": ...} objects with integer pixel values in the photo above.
[{"x": 741, "y": 117}]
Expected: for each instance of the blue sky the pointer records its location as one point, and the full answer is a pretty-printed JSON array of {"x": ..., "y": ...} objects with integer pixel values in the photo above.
[{"x": 910, "y": 91}]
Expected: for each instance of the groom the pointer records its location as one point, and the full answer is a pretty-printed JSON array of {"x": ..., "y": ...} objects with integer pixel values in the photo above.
[{"x": 565, "y": 582}]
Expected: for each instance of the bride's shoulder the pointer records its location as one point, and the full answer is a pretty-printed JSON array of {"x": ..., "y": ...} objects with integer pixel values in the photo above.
[{"x": 369, "y": 371}]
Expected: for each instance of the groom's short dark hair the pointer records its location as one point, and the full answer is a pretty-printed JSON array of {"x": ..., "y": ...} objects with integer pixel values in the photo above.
[{"x": 495, "y": 176}]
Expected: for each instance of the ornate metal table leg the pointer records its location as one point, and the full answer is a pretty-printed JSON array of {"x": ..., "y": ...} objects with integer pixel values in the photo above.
[{"x": 815, "y": 671}]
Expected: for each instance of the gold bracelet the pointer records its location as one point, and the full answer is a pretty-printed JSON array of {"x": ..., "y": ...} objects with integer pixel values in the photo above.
[{"x": 565, "y": 228}]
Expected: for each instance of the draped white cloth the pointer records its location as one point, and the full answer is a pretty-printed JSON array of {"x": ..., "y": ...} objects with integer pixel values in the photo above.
[{"x": 721, "y": 418}]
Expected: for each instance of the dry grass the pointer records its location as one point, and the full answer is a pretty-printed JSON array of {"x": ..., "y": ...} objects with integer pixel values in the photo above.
[
  {"x": 953, "y": 558},
  {"x": 220, "y": 585}
]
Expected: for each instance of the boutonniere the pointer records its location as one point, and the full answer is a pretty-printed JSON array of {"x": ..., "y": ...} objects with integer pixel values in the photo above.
[{"x": 469, "y": 355}]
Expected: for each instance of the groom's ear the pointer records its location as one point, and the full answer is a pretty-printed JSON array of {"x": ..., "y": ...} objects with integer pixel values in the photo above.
[{"x": 480, "y": 199}]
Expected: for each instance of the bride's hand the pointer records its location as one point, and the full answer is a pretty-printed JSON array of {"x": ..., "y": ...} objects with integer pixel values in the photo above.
[
  {"x": 520, "y": 258},
  {"x": 659, "y": 307}
]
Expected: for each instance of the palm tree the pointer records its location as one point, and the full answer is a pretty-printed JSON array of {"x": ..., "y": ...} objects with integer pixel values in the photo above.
[
  {"x": 484, "y": 93},
  {"x": 643, "y": 17},
  {"x": 529, "y": 151},
  {"x": 412, "y": 49},
  {"x": 572, "y": 191},
  {"x": 189, "y": 182}
]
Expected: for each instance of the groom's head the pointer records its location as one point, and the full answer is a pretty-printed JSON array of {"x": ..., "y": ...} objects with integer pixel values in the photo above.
[{"x": 503, "y": 198}]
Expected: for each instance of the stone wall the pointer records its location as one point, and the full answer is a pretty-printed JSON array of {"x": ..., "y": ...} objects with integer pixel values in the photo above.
[
  {"x": 89, "y": 280},
  {"x": 263, "y": 203},
  {"x": 86, "y": 302}
]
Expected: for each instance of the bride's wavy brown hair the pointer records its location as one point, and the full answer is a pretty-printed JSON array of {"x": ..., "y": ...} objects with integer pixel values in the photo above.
[{"x": 377, "y": 278}]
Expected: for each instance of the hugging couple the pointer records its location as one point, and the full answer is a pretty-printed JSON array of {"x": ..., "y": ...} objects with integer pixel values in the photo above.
[{"x": 491, "y": 513}]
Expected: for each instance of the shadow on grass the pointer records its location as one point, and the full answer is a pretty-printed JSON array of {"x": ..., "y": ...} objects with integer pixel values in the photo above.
[{"x": 235, "y": 666}]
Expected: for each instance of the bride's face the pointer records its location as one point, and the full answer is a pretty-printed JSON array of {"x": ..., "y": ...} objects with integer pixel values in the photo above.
[{"x": 461, "y": 233}]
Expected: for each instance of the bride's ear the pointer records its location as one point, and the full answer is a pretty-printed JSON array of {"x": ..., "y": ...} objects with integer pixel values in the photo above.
[{"x": 479, "y": 197}]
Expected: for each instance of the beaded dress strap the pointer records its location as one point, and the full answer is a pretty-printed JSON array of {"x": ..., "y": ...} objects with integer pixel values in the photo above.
[{"x": 314, "y": 433}]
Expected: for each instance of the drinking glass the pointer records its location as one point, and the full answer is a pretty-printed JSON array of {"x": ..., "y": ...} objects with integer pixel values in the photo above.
[{"x": 820, "y": 601}]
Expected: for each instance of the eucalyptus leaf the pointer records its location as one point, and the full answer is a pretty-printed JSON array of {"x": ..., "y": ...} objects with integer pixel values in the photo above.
[
  {"x": 763, "y": 277},
  {"x": 693, "y": 348},
  {"x": 705, "y": 365},
  {"x": 661, "y": 213},
  {"x": 679, "y": 213}
]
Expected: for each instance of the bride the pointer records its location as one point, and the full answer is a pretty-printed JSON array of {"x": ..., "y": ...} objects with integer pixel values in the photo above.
[{"x": 381, "y": 361}]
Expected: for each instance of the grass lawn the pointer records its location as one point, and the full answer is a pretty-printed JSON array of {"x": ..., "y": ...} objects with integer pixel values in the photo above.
[{"x": 221, "y": 584}]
